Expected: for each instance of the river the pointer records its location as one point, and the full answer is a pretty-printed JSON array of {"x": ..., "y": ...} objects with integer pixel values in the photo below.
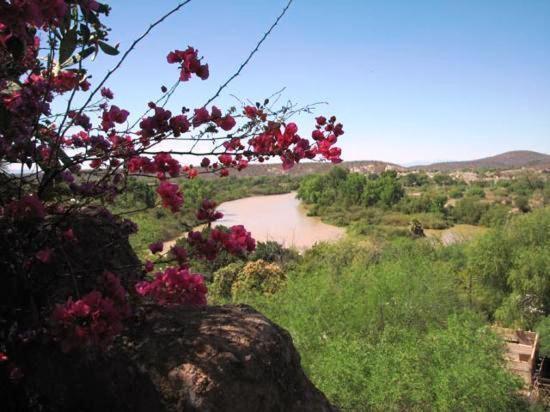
[{"x": 281, "y": 218}]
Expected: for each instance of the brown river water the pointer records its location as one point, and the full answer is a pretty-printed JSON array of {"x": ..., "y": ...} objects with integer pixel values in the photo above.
[{"x": 276, "y": 217}]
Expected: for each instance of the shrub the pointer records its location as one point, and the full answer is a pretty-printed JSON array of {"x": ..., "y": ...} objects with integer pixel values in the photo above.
[
  {"x": 224, "y": 279},
  {"x": 456, "y": 192},
  {"x": 522, "y": 203},
  {"x": 495, "y": 215},
  {"x": 476, "y": 191},
  {"x": 543, "y": 329},
  {"x": 258, "y": 277},
  {"x": 468, "y": 210},
  {"x": 274, "y": 252}
]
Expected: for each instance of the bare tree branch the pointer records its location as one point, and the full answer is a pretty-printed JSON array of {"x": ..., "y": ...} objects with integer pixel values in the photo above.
[
  {"x": 125, "y": 55},
  {"x": 252, "y": 53}
]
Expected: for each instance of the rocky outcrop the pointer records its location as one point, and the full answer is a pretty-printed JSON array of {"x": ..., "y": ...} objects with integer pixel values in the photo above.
[{"x": 215, "y": 358}]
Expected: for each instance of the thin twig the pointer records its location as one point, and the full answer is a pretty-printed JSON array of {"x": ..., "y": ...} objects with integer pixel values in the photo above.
[
  {"x": 252, "y": 53},
  {"x": 243, "y": 65},
  {"x": 124, "y": 56}
]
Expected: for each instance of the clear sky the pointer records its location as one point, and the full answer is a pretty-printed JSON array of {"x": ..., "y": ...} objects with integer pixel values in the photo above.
[{"x": 420, "y": 80}]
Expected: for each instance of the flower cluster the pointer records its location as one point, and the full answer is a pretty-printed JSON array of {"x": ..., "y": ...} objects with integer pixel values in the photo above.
[
  {"x": 171, "y": 196},
  {"x": 326, "y": 134},
  {"x": 174, "y": 286},
  {"x": 17, "y": 15},
  {"x": 291, "y": 148},
  {"x": 189, "y": 63},
  {"x": 66, "y": 81},
  {"x": 157, "y": 124},
  {"x": 28, "y": 207},
  {"x": 202, "y": 116},
  {"x": 95, "y": 319},
  {"x": 254, "y": 113},
  {"x": 207, "y": 211},
  {"x": 236, "y": 240},
  {"x": 112, "y": 116}
]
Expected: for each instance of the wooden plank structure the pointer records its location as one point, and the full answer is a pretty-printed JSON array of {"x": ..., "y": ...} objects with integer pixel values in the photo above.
[{"x": 521, "y": 353}]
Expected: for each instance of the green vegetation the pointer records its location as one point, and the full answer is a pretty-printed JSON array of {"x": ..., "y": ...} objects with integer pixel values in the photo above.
[
  {"x": 405, "y": 326},
  {"x": 384, "y": 205},
  {"x": 543, "y": 328},
  {"x": 257, "y": 277},
  {"x": 386, "y": 319},
  {"x": 508, "y": 271}
]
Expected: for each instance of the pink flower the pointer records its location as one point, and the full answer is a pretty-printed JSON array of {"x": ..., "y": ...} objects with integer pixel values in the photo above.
[
  {"x": 44, "y": 255},
  {"x": 114, "y": 115},
  {"x": 179, "y": 124},
  {"x": 227, "y": 123},
  {"x": 164, "y": 163},
  {"x": 28, "y": 207},
  {"x": 175, "y": 286},
  {"x": 156, "y": 247},
  {"x": 207, "y": 211},
  {"x": 189, "y": 63},
  {"x": 250, "y": 111},
  {"x": 225, "y": 159},
  {"x": 179, "y": 253},
  {"x": 69, "y": 235},
  {"x": 93, "y": 320},
  {"x": 201, "y": 116},
  {"x": 107, "y": 93},
  {"x": 171, "y": 196}
]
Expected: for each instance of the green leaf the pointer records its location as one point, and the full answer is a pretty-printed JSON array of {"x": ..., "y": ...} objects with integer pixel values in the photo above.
[
  {"x": 103, "y": 8},
  {"x": 108, "y": 49},
  {"x": 85, "y": 33},
  {"x": 78, "y": 57},
  {"x": 68, "y": 45}
]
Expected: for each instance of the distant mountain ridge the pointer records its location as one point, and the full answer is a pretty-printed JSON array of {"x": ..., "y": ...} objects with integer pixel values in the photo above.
[{"x": 509, "y": 160}]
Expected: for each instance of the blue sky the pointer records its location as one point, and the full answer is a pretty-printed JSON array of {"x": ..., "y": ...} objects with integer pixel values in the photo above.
[{"x": 411, "y": 80}]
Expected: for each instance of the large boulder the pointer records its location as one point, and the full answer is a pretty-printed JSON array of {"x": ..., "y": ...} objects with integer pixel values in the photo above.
[{"x": 215, "y": 358}]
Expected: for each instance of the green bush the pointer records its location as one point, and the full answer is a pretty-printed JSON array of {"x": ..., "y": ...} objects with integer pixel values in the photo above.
[
  {"x": 476, "y": 191},
  {"x": 468, "y": 210},
  {"x": 220, "y": 288},
  {"x": 257, "y": 277},
  {"x": 456, "y": 192},
  {"x": 522, "y": 203},
  {"x": 543, "y": 329},
  {"x": 496, "y": 215},
  {"x": 507, "y": 270},
  {"x": 274, "y": 252}
]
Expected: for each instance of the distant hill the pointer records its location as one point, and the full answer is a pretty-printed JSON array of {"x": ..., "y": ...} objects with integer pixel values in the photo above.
[
  {"x": 509, "y": 160},
  {"x": 306, "y": 168}
]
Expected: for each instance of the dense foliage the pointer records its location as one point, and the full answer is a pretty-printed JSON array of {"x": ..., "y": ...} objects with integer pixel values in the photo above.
[
  {"x": 384, "y": 205},
  {"x": 405, "y": 325},
  {"x": 390, "y": 329}
]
